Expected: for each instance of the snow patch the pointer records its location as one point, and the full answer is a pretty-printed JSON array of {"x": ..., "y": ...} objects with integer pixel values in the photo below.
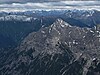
[{"x": 62, "y": 25}]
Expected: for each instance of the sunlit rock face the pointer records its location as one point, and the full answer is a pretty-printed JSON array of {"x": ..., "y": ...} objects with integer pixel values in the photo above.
[{"x": 59, "y": 49}]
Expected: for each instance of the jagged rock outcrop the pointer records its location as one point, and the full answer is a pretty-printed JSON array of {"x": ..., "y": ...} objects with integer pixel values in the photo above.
[{"x": 60, "y": 49}]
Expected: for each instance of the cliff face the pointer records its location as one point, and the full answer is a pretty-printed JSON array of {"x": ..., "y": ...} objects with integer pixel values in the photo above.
[{"x": 60, "y": 49}]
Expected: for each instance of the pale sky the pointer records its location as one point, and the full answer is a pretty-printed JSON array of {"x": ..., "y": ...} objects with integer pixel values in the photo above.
[{"x": 9, "y": 1}]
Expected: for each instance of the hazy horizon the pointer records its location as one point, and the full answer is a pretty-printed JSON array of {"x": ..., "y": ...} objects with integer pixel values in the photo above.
[
  {"x": 25, "y": 1},
  {"x": 51, "y": 5}
]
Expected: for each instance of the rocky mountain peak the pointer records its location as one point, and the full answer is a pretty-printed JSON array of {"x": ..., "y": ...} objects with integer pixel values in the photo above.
[
  {"x": 60, "y": 23},
  {"x": 46, "y": 38}
]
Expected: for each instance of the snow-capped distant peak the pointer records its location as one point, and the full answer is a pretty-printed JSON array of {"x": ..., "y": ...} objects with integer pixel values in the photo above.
[{"x": 15, "y": 17}]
